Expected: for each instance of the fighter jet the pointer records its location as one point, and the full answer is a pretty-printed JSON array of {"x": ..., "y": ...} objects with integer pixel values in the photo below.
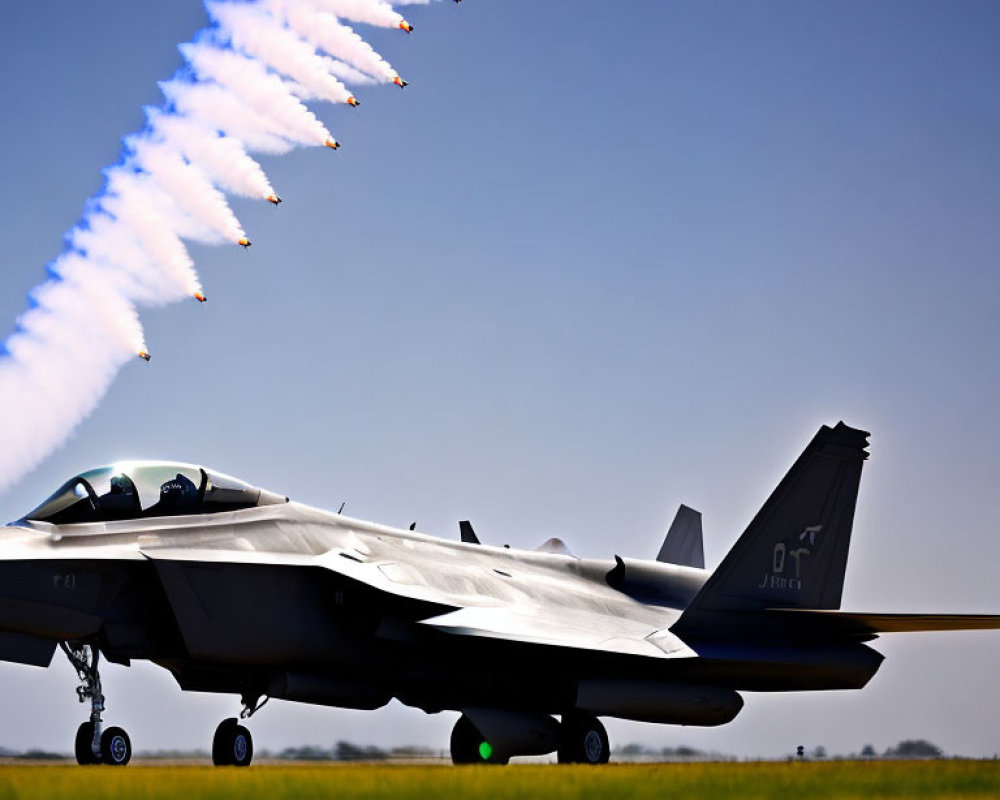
[
  {"x": 405, "y": 26},
  {"x": 400, "y": 82},
  {"x": 238, "y": 590},
  {"x": 333, "y": 144},
  {"x": 144, "y": 355},
  {"x": 273, "y": 198},
  {"x": 243, "y": 242}
]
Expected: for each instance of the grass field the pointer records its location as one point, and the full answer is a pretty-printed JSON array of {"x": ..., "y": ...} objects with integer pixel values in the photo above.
[{"x": 747, "y": 781}]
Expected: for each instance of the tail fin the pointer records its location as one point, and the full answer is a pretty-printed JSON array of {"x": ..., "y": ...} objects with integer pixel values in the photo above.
[
  {"x": 683, "y": 544},
  {"x": 794, "y": 552},
  {"x": 467, "y": 533}
]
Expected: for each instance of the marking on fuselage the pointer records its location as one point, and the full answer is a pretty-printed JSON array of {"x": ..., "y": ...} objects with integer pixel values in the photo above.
[{"x": 64, "y": 580}]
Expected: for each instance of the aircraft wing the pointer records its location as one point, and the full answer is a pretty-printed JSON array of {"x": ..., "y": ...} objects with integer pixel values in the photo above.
[
  {"x": 478, "y": 591},
  {"x": 852, "y": 623},
  {"x": 567, "y": 629},
  {"x": 575, "y": 628}
]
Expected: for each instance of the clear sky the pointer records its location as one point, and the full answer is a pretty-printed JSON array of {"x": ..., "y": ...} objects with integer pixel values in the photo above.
[{"x": 595, "y": 261}]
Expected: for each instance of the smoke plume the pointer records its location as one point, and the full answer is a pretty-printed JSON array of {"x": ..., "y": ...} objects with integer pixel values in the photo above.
[{"x": 243, "y": 91}]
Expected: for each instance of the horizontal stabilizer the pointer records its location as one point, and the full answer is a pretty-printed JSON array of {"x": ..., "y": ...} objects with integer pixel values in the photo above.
[
  {"x": 849, "y": 623},
  {"x": 683, "y": 545}
]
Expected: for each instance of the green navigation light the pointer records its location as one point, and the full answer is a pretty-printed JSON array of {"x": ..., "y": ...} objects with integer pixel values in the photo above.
[{"x": 485, "y": 751}]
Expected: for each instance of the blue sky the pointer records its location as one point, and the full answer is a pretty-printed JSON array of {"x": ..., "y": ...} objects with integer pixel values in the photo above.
[{"x": 596, "y": 260}]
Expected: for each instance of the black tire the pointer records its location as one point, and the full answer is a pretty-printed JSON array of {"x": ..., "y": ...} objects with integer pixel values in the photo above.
[
  {"x": 582, "y": 740},
  {"x": 116, "y": 748},
  {"x": 469, "y": 747},
  {"x": 222, "y": 743},
  {"x": 232, "y": 745},
  {"x": 81, "y": 747}
]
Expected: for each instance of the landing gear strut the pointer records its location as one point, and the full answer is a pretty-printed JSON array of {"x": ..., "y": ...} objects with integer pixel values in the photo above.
[{"x": 94, "y": 744}]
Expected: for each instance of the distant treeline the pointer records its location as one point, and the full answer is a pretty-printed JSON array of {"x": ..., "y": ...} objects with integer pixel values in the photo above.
[
  {"x": 349, "y": 751},
  {"x": 682, "y": 753},
  {"x": 31, "y": 755},
  {"x": 908, "y": 748}
]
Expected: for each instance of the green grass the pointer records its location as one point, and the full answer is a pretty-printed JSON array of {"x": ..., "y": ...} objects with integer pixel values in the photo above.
[{"x": 910, "y": 780}]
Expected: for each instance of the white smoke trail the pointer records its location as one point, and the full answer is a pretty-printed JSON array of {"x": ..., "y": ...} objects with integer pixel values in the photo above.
[
  {"x": 259, "y": 35},
  {"x": 347, "y": 73},
  {"x": 324, "y": 31},
  {"x": 166, "y": 254},
  {"x": 226, "y": 112},
  {"x": 189, "y": 188},
  {"x": 60, "y": 362},
  {"x": 263, "y": 91},
  {"x": 113, "y": 244},
  {"x": 372, "y": 12},
  {"x": 242, "y": 92},
  {"x": 224, "y": 159}
]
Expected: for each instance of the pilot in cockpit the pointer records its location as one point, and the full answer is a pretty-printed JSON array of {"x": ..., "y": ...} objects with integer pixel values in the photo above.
[
  {"x": 121, "y": 501},
  {"x": 179, "y": 495}
]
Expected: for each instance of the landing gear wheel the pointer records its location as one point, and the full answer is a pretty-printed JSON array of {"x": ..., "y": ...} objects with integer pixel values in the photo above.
[
  {"x": 85, "y": 658},
  {"x": 242, "y": 747},
  {"x": 232, "y": 745},
  {"x": 582, "y": 740},
  {"x": 82, "y": 745},
  {"x": 469, "y": 747},
  {"x": 222, "y": 750},
  {"x": 116, "y": 749}
]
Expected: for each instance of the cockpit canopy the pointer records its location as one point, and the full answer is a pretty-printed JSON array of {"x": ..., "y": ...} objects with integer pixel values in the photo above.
[{"x": 141, "y": 489}]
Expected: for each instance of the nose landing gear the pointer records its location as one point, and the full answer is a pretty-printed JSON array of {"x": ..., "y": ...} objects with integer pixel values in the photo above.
[{"x": 94, "y": 744}]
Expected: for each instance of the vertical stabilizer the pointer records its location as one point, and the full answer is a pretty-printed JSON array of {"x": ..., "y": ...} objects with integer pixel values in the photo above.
[
  {"x": 683, "y": 544},
  {"x": 467, "y": 533},
  {"x": 794, "y": 552}
]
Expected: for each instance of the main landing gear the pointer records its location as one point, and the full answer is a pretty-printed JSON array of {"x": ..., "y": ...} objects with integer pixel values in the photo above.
[
  {"x": 94, "y": 743},
  {"x": 581, "y": 739},
  {"x": 232, "y": 745}
]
